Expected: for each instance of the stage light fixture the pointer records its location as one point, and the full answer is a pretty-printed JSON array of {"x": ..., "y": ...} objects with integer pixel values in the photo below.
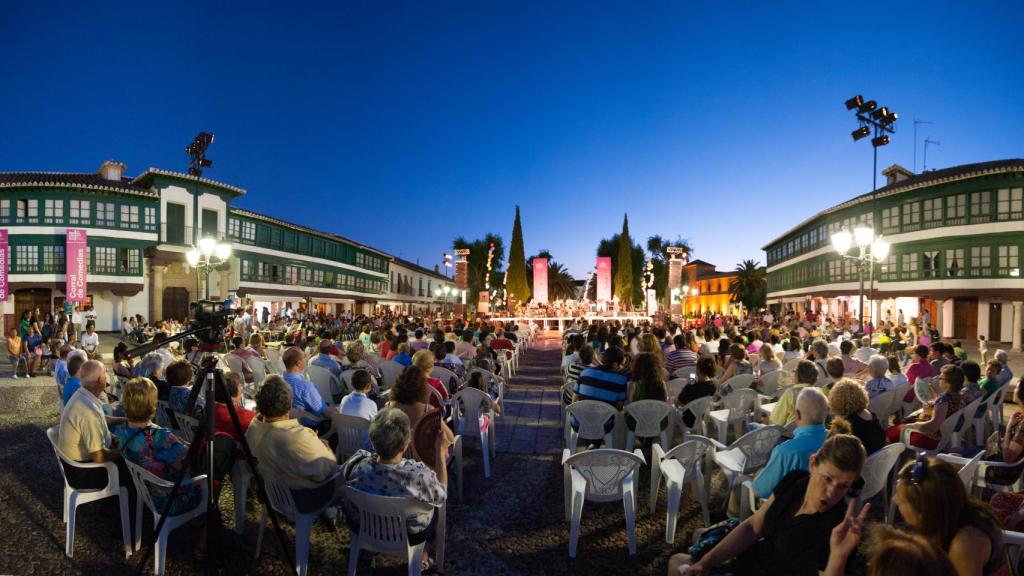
[
  {"x": 880, "y": 113},
  {"x": 867, "y": 106},
  {"x": 880, "y": 141},
  {"x": 854, "y": 102},
  {"x": 889, "y": 119},
  {"x": 861, "y": 132}
]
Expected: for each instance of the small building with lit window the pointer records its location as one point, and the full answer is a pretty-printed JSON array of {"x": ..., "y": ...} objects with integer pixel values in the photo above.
[{"x": 955, "y": 236}]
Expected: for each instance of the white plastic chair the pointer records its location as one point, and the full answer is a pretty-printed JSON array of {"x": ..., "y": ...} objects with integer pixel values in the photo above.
[
  {"x": 877, "y": 472},
  {"x": 675, "y": 386},
  {"x": 748, "y": 454},
  {"x": 467, "y": 411},
  {"x": 769, "y": 383},
  {"x": 390, "y": 371},
  {"x": 499, "y": 385},
  {"x": 699, "y": 408},
  {"x": 649, "y": 415},
  {"x": 75, "y": 497},
  {"x": 447, "y": 377},
  {"x": 591, "y": 415},
  {"x": 737, "y": 382},
  {"x": 143, "y": 480},
  {"x": 241, "y": 475},
  {"x": 790, "y": 365},
  {"x": 383, "y": 528},
  {"x": 325, "y": 382},
  {"x": 881, "y": 407},
  {"x": 947, "y": 432},
  {"x": 162, "y": 418},
  {"x": 275, "y": 362},
  {"x": 680, "y": 465},
  {"x": 352, "y": 433},
  {"x": 259, "y": 370},
  {"x": 1013, "y": 543},
  {"x": 280, "y": 497},
  {"x": 898, "y": 393},
  {"x": 736, "y": 410},
  {"x": 187, "y": 426},
  {"x": 995, "y": 405},
  {"x": 235, "y": 363},
  {"x": 601, "y": 475}
]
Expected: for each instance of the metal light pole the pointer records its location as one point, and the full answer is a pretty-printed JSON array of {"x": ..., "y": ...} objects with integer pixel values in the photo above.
[
  {"x": 870, "y": 115},
  {"x": 872, "y": 249}
]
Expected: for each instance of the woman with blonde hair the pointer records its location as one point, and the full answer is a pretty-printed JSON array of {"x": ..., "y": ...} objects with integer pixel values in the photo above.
[{"x": 769, "y": 362}]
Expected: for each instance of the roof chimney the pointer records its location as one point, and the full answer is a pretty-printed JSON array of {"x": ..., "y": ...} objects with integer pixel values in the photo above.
[
  {"x": 896, "y": 173},
  {"x": 111, "y": 170}
]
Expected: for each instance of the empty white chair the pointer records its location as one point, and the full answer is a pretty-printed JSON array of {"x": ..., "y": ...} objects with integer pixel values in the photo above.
[
  {"x": 601, "y": 475},
  {"x": 675, "y": 386},
  {"x": 737, "y": 408},
  {"x": 325, "y": 382},
  {"x": 591, "y": 416},
  {"x": 699, "y": 408},
  {"x": 468, "y": 408},
  {"x": 678, "y": 466},
  {"x": 143, "y": 480},
  {"x": 75, "y": 497},
  {"x": 383, "y": 528},
  {"x": 649, "y": 415},
  {"x": 737, "y": 382},
  {"x": 280, "y": 497},
  {"x": 390, "y": 371},
  {"x": 877, "y": 471},
  {"x": 748, "y": 454}
]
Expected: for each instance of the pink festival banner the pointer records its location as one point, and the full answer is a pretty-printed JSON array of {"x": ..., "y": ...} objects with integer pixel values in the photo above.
[
  {"x": 3, "y": 265},
  {"x": 77, "y": 265},
  {"x": 540, "y": 280},
  {"x": 604, "y": 278}
]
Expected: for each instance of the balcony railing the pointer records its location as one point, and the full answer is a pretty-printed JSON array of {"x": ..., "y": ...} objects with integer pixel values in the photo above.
[{"x": 177, "y": 235}]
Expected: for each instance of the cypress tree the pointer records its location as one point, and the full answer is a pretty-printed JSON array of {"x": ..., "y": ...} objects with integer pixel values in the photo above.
[
  {"x": 516, "y": 283},
  {"x": 624, "y": 272}
]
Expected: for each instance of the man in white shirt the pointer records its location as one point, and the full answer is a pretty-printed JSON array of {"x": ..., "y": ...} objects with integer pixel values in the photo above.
[
  {"x": 91, "y": 342},
  {"x": 865, "y": 352},
  {"x": 358, "y": 404}
]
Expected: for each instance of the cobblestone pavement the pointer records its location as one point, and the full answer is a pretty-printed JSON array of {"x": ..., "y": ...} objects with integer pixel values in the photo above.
[{"x": 509, "y": 524}]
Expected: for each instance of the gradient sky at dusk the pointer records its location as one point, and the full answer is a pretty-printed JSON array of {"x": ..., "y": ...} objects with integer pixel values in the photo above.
[{"x": 404, "y": 125}]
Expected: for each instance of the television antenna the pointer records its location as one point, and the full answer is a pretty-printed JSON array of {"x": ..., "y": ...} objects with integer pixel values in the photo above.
[
  {"x": 916, "y": 122},
  {"x": 927, "y": 140}
]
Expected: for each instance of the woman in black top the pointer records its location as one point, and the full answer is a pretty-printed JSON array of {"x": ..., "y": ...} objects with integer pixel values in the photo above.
[
  {"x": 790, "y": 533},
  {"x": 849, "y": 402},
  {"x": 704, "y": 386}
]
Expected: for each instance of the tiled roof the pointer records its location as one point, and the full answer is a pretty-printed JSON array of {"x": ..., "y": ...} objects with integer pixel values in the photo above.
[
  {"x": 930, "y": 178},
  {"x": 81, "y": 180},
  {"x": 279, "y": 222},
  {"x": 181, "y": 175}
]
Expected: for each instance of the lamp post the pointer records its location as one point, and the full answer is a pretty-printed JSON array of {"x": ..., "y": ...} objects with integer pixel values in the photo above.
[
  {"x": 443, "y": 292},
  {"x": 209, "y": 254},
  {"x": 872, "y": 249}
]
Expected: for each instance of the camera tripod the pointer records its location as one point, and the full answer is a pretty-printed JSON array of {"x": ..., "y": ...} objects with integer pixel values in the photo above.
[{"x": 209, "y": 381}]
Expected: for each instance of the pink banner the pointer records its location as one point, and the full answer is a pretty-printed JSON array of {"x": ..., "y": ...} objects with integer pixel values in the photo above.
[
  {"x": 77, "y": 251},
  {"x": 540, "y": 280},
  {"x": 3, "y": 265},
  {"x": 604, "y": 278}
]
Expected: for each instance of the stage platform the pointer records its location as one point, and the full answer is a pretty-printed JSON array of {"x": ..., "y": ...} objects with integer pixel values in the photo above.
[{"x": 561, "y": 322}]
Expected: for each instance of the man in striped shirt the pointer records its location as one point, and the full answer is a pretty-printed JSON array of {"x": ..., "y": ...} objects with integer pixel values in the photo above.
[
  {"x": 572, "y": 371},
  {"x": 680, "y": 358},
  {"x": 605, "y": 383}
]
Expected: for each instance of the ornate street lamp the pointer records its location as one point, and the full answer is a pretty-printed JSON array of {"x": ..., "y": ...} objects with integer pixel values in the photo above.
[
  {"x": 872, "y": 249},
  {"x": 209, "y": 254}
]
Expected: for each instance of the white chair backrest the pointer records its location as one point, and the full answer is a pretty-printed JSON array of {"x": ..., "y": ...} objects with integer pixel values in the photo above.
[
  {"x": 740, "y": 403},
  {"x": 881, "y": 406},
  {"x": 999, "y": 396},
  {"x": 699, "y": 408},
  {"x": 383, "y": 520},
  {"x": 450, "y": 380},
  {"x": 351, "y": 437},
  {"x": 346, "y": 380},
  {"x": 970, "y": 470},
  {"x": 691, "y": 452},
  {"x": 258, "y": 368},
  {"x": 877, "y": 469},
  {"x": 737, "y": 382},
  {"x": 324, "y": 381},
  {"x": 162, "y": 418},
  {"x": 756, "y": 447},
  {"x": 897, "y": 396},
  {"x": 686, "y": 372},
  {"x": 770, "y": 382},
  {"x": 280, "y": 497},
  {"x": 468, "y": 404},
  {"x": 53, "y": 434},
  {"x": 187, "y": 426},
  {"x": 234, "y": 363},
  {"x": 1013, "y": 543},
  {"x": 790, "y": 365},
  {"x": 390, "y": 370},
  {"x": 648, "y": 415},
  {"x": 591, "y": 415},
  {"x": 675, "y": 386},
  {"x": 923, "y": 390},
  {"x": 605, "y": 469}
]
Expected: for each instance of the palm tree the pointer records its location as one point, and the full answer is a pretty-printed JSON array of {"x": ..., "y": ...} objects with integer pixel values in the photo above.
[
  {"x": 750, "y": 286},
  {"x": 560, "y": 282}
]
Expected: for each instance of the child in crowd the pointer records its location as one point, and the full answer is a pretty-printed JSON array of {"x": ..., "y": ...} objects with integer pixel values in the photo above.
[
  {"x": 73, "y": 382},
  {"x": 358, "y": 402},
  {"x": 14, "y": 353},
  {"x": 60, "y": 368},
  {"x": 477, "y": 381},
  {"x": 982, "y": 348}
]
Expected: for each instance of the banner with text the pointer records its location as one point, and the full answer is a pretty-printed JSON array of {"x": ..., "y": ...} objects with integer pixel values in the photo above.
[
  {"x": 604, "y": 278},
  {"x": 3, "y": 265},
  {"x": 77, "y": 265},
  {"x": 540, "y": 280}
]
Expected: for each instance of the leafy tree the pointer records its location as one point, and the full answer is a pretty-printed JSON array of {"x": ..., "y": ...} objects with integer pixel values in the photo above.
[
  {"x": 625, "y": 283},
  {"x": 516, "y": 283},
  {"x": 657, "y": 250},
  {"x": 610, "y": 247},
  {"x": 560, "y": 283},
  {"x": 750, "y": 286},
  {"x": 477, "y": 267}
]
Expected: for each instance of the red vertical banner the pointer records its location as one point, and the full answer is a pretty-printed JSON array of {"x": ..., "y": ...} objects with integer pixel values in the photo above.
[
  {"x": 77, "y": 251},
  {"x": 3, "y": 265},
  {"x": 540, "y": 280},
  {"x": 604, "y": 278}
]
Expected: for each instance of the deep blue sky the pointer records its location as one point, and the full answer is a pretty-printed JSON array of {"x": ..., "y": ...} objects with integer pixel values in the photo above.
[{"x": 405, "y": 124}]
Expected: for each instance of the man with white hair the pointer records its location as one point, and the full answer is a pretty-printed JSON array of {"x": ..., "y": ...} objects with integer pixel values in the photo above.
[
  {"x": 811, "y": 411},
  {"x": 865, "y": 352}
]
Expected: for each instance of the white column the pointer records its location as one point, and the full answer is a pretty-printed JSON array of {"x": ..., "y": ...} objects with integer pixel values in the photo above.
[
  {"x": 983, "y": 315},
  {"x": 939, "y": 324},
  {"x": 1018, "y": 321},
  {"x": 224, "y": 279},
  {"x": 124, "y": 312},
  {"x": 157, "y": 310}
]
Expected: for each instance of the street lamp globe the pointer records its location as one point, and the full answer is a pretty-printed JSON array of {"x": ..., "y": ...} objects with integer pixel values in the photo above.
[
  {"x": 880, "y": 249},
  {"x": 207, "y": 245},
  {"x": 863, "y": 235},
  {"x": 842, "y": 241},
  {"x": 192, "y": 256},
  {"x": 222, "y": 250},
  {"x": 437, "y": 292}
]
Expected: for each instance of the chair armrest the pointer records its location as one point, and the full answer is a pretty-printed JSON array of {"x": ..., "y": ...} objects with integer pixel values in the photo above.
[
  {"x": 579, "y": 483},
  {"x": 565, "y": 455},
  {"x": 657, "y": 452},
  {"x": 718, "y": 445},
  {"x": 748, "y": 490},
  {"x": 640, "y": 454},
  {"x": 673, "y": 470},
  {"x": 953, "y": 459}
]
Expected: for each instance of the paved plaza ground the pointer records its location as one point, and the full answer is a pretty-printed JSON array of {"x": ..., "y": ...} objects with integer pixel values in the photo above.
[{"x": 509, "y": 524}]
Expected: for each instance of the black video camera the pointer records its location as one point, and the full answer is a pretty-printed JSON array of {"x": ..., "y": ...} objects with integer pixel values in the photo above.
[{"x": 211, "y": 318}]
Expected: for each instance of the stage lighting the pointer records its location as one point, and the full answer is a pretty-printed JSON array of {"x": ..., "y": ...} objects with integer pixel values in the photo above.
[
  {"x": 880, "y": 141},
  {"x": 861, "y": 132},
  {"x": 867, "y": 106},
  {"x": 889, "y": 119},
  {"x": 854, "y": 102},
  {"x": 880, "y": 113}
]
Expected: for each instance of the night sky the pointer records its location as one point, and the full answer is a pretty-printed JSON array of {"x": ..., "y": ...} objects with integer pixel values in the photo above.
[{"x": 403, "y": 125}]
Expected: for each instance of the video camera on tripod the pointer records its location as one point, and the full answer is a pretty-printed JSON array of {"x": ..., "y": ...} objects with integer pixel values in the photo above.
[{"x": 209, "y": 319}]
